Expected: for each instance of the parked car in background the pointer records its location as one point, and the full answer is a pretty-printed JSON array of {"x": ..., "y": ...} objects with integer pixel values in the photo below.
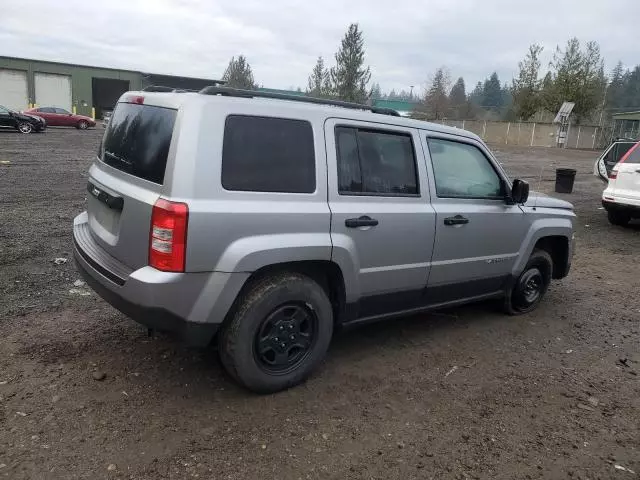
[
  {"x": 59, "y": 117},
  {"x": 22, "y": 122},
  {"x": 621, "y": 198}
]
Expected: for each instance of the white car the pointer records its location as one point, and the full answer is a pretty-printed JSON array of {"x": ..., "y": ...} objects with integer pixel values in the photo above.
[{"x": 621, "y": 198}]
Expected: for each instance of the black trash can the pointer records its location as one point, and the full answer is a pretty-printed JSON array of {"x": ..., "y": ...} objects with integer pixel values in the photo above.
[{"x": 564, "y": 180}]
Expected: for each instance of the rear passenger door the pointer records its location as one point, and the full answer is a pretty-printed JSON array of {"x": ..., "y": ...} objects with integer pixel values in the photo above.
[
  {"x": 381, "y": 220},
  {"x": 478, "y": 233}
]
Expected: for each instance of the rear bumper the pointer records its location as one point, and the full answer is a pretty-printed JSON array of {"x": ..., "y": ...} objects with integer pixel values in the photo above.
[
  {"x": 191, "y": 305},
  {"x": 616, "y": 206}
]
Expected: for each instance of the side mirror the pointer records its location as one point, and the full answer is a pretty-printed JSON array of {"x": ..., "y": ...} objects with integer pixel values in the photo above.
[{"x": 519, "y": 191}]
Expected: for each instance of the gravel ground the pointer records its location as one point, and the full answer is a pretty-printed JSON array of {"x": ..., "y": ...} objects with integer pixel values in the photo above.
[{"x": 464, "y": 393}]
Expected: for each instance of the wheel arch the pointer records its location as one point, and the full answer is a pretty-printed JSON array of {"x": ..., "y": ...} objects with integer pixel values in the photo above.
[{"x": 324, "y": 272}]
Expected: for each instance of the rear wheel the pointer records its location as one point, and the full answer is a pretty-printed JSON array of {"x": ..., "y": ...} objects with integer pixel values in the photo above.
[
  {"x": 618, "y": 218},
  {"x": 531, "y": 285},
  {"x": 83, "y": 125},
  {"x": 25, "y": 127},
  {"x": 278, "y": 334}
]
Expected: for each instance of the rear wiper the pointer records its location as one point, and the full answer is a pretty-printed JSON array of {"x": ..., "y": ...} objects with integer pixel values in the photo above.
[{"x": 118, "y": 158}]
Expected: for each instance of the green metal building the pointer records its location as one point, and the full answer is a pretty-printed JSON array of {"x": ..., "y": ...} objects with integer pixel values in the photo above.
[
  {"x": 626, "y": 125},
  {"x": 83, "y": 89}
]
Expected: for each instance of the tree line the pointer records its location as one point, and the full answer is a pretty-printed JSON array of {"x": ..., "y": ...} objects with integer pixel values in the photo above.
[{"x": 575, "y": 74}]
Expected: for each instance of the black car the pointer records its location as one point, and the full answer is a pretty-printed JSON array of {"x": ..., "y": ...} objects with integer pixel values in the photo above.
[{"x": 20, "y": 121}]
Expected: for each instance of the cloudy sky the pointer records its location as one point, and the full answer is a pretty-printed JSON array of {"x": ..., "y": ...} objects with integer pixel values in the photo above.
[{"x": 405, "y": 40}]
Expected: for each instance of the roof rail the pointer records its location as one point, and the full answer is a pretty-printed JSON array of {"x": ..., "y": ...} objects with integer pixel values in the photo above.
[
  {"x": 162, "y": 88},
  {"x": 237, "y": 92}
]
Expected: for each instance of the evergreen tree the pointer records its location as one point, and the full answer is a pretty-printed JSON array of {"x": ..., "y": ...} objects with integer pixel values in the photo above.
[
  {"x": 436, "y": 102},
  {"x": 615, "y": 91},
  {"x": 477, "y": 95},
  {"x": 576, "y": 76},
  {"x": 492, "y": 92},
  {"x": 376, "y": 91},
  {"x": 319, "y": 85},
  {"x": 526, "y": 88},
  {"x": 631, "y": 92},
  {"x": 349, "y": 78},
  {"x": 238, "y": 74},
  {"x": 458, "y": 100}
]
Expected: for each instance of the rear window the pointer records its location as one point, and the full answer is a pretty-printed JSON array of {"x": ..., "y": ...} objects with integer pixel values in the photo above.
[
  {"x": 263, "y": 154},
  {"x": 634, "y": 155},
  {"x": 137, "y": 140}
]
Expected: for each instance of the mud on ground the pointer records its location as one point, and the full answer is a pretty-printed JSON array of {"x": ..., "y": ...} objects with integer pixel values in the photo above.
[{"x": 464, "y": 393}]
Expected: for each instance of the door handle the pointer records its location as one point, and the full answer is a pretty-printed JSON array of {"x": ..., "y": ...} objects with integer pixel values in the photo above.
[
  {"x": 457, "y": 220},
  {"x": 363, "y": 221},
  {"x": 638, "y": 170}
]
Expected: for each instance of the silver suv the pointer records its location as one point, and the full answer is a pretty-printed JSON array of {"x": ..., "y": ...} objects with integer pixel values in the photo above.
[{"x": 265, "y": 222}]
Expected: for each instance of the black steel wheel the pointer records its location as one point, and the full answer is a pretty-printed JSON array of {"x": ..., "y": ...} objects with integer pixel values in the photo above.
[
  {"x": 285, "y": 338},
  {"x": 278, "y": 332},
  {"x": 530, "y": 287}
]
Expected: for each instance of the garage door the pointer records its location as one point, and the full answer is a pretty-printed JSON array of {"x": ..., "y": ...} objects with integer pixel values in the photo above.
[
  {"x": 53, "y": 90},
  {"x": 13, "y": 89}
]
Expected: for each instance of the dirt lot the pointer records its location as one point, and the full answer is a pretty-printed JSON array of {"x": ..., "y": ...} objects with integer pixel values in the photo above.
[{"x": 554, "y": 394}]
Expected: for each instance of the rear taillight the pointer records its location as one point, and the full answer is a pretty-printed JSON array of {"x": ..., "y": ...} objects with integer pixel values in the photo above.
[
  {"x": 613, "y": 174},
  {"x": 168, "y": 239}
]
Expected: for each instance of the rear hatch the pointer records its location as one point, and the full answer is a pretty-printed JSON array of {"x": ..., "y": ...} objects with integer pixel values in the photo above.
[
  {"x": 626, "y": 185},
  {"x": 128, "y": 178}
]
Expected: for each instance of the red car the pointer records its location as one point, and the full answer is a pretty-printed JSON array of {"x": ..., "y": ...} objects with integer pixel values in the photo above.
[{"x": 59, "y": 117}]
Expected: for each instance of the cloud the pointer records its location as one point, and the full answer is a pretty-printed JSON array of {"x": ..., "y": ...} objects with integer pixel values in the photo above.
[{"x": 405, "y": 41}]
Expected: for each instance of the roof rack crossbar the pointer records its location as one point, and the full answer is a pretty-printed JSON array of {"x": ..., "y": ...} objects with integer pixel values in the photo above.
[{"x": 238, "y": 92}]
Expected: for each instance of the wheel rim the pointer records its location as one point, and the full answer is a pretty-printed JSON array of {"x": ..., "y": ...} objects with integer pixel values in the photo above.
[
  {"x": 529, "y": 288},
  {"x": 25, "y": 128},
  {"x": 285, "y": 338},
  {"x": 83, "y": 125}
]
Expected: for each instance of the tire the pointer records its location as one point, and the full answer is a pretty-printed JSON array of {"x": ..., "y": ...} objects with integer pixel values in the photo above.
[
  {"x": 82, "y": 125},
  {"x": 25, "y": 127},
  {"x": 618, "y": 218},
  {"x": 249, "y": 345},
  {"x": 532, "y": 284}
]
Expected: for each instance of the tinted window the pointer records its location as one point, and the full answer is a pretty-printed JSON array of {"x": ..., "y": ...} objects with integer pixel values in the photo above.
[
  {"x": 462, "y": 170},
  {"x": 61, "y": 111},
  {"x": 375, "y": 162},
  {"x": 47, "y": 110},
  {"x": 137, "y": 140},
  {"x": 262, "y": 154},
  {"x": 634, "y": 156}
]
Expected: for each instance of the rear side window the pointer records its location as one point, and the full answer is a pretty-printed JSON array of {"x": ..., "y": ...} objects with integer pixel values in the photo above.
[
  {"x": 263, "y": 154},
  {"x": 137, "y": 140},
  {"x": 373, "y": 162},
  {"x": 634, "y": 155}
]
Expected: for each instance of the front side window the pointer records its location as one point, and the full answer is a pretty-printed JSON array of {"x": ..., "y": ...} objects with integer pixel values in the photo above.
[
  {"x": 264, "y": 154},
  {"x": 61, "y": 111},
  {"x": 461, "y": 170},
  {"x": 375, "y": 162}
]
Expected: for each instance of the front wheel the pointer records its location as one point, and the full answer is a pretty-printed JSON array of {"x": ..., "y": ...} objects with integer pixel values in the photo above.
[
  {"x": 83, "y": 125},
  {"x": 25, "y": 127},
  {"x": 279, "y": 333},
  {"x": 531, "y": 285}
]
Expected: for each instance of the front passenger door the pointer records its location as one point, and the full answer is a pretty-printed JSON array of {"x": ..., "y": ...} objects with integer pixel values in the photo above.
[{"x": 478, "y": 233}]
